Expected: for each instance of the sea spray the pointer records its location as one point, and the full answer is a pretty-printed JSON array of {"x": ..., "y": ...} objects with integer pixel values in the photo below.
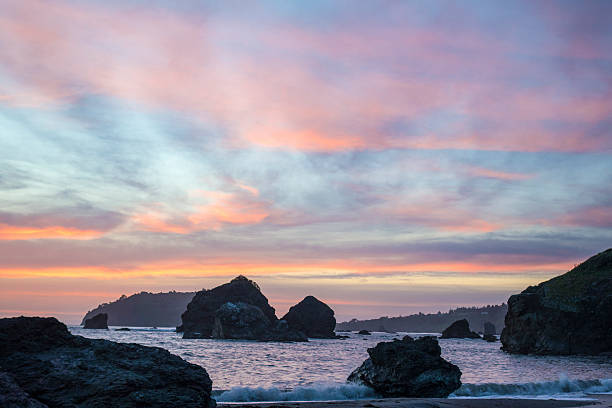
[
  {"x": 316, "y": 392},
  {"x": 564, "y": 387}
]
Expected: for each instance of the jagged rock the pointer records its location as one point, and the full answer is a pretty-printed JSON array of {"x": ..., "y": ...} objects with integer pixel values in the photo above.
[
  {"x": 99, "y": 321},
  {"x": 364, "y": 332},
  {"x": 408, "y": 368},
  {"x": 61, "y": 370},
  {"x": 459, "y": 330},
  {"x": 12, "y": 396},
  {"x": 235, "y": 310},
  {"x": 569, "y": 314},
  {"x": 239, "y": 321},
  {"x": 313, "y": 318}
]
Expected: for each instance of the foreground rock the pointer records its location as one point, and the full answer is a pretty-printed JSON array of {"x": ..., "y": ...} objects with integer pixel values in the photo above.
[
  {"x": 99, "y": 321},
  {"x": 459, "y": 330},
  {"x": 54, "y": 368},
  {"x": 408, "y": 368},
  {"x": 569, "y": 314},
  {"x": 313, "y": 318},
  {"x": 235, "y": 310}
]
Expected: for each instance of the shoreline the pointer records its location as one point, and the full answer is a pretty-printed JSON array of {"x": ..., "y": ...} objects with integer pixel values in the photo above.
[{"x": 598, "y": 400}]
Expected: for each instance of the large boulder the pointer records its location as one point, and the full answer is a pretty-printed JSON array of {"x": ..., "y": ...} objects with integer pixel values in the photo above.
[
  {"x": 569, "y": 314},
  {"x": 99, "y": 321},
  {"x": 57, "y": 369},
  {"x": 459, "y": 330},
  {"x": 408, "y": 368},
  {"x": 313, "y": 318},
  {"x": 199, "y": 318},
  {"x": 235, "y": 310}
]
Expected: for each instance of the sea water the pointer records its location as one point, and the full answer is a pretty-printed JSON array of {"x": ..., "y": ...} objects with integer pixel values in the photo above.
[{"x": 317, "y": 370}]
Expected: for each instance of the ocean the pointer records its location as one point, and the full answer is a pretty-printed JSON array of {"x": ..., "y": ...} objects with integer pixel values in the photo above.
[{"x": 248, "y": 371}]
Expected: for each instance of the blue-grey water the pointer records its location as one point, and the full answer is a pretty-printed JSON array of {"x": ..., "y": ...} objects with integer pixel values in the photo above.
[{"x": 252, "y": 371}]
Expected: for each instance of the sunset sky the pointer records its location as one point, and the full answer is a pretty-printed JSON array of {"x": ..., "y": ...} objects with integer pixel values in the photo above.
[{"x": 388, "y": 157}]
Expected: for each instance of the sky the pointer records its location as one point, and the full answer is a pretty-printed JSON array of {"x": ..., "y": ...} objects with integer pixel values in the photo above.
[{"x": 387, "y": 157}]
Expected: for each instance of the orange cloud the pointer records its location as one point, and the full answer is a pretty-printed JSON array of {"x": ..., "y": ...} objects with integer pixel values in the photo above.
[
  {"x": 11, "y": 232},
  {"x": 500, "y": 175},
  {"x": 241, "y": 207}
]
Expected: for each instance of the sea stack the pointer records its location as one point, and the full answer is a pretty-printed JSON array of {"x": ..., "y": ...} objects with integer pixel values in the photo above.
[
  {"x": 459, "y": 330},
  {"x": 45, "y": 366},
  {"x": 569, "y": 314},
  {"x": 313, "y": 318},
  {"x": 235, "y": 310},
  {"x": 408, "y": 368},
  {"x": 99, "y": 321}
]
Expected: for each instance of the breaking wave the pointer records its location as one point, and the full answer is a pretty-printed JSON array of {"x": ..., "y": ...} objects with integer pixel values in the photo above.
[
  {"x": 562, "y": 388},
  {"x": 317, "y": 392}
]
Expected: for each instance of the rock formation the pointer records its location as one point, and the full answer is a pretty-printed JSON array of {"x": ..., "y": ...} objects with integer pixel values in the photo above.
[
  {"x": 54, "y": 368},
  {"x": 489, "y": 332},
  {"x": 313, "y": 318},
  {"x": 364, "y": 332},
  {"x": 459, "y": 330},
  {"x": 235, "y": 310},
  {"x": 99, "y": 321},
  {"x": 145, "y": 309},
  {"x": 569, "y": 314},
  {"x": 408, "y": 368}
]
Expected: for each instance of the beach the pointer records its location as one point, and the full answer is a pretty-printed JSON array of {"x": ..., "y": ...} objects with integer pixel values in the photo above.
[{"x": 599, "y": 400}]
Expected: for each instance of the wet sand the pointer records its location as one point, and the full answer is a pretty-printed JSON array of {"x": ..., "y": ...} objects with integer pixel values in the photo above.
[{"x": 601, "y": 401}]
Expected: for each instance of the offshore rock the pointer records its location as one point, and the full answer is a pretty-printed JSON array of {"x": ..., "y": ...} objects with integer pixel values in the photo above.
[
  {"x": 57, "y": 369},
  {"x": 313, "y": 318},
  {"x": 569, "y": 314},
  {"x": 99, "y": 321},
  {"x": 459, "y": 330},
  {"x": 489, "y": 329},
  {"x": 235, "y": 310},
  {"x": 364, "y": 332},
  {"x": 408, "y": 368}
]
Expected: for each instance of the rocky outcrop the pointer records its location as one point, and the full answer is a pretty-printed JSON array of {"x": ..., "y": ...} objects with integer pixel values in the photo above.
[
  {"x": 235, "y": 310},
  {"x": 54, "y": 368},
  {"x": 408, "y": 368},
  {"x": 99, "y": 321},
  {"x": 144, "y": 309},
  {"x": 313, "y": 318},
  {"x": 489, "y": 332},
  {"x": 459, "y": 330},
  {"x": 12, "y": 396},
  {"x": 569, "y": 314},
  {"x": 364, "y": 332}
]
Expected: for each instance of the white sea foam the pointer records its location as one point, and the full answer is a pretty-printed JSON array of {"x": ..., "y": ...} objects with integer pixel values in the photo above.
[
  {"x": 562, "y": 388},
  {"x": 317, "y": 392}
]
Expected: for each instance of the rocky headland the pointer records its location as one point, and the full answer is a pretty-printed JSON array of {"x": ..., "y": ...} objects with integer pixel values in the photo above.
[
  {"x": 459, "y": 330},
  {"x": 43, "y": 365},
  {"x": 408, "y": 368},
  {"x": 569, "y": 314},
  {"x": 144, "y": 309}
]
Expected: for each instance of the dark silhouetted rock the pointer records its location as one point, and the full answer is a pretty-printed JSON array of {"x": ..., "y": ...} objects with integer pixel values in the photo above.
[
  {"x": 459, "y": 330},
  {"x": 123, "y": 329},
  {"x": 489, "y": 329},
  {"x": 569, "y": 314},
  {"x": 364, "y": 332},
  {"x": 99, "y": 321},
  {"x": 313, "y": 318},
  {"x": 145, "y": 309},
  {"x": 235, "y": 310},
  {"x": 408, "y": 368},
  {"x": 489, "y": 337},
  {"x": 12, "y": 396},
  {"x": 58, "y": 369}
]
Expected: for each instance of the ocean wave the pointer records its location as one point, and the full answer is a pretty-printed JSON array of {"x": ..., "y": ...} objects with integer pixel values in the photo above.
[
  {"x": 316, "y": 392},
  {"x": 564, "y": 387}
]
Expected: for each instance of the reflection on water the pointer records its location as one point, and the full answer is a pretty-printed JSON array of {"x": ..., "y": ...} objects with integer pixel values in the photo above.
[{"x": 288, "y": 365}]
